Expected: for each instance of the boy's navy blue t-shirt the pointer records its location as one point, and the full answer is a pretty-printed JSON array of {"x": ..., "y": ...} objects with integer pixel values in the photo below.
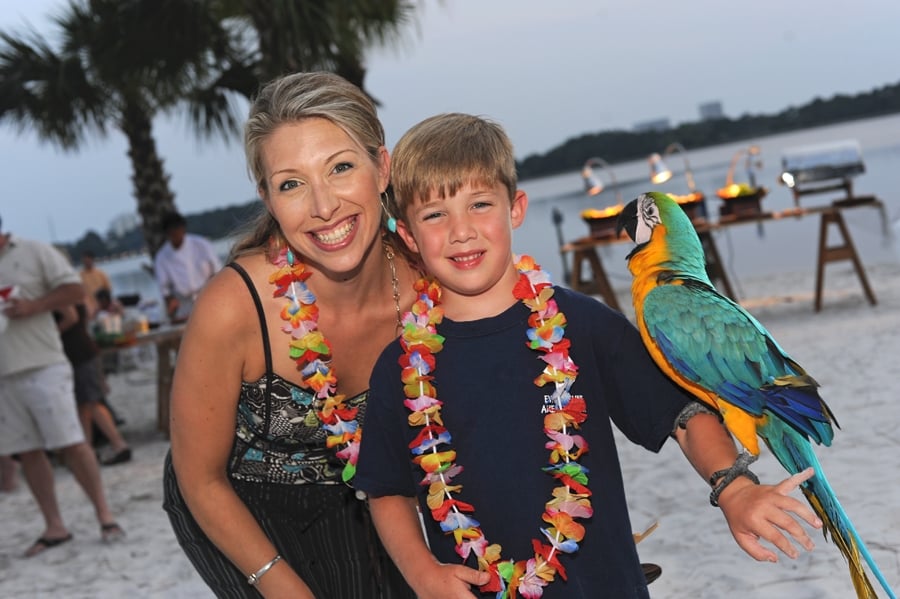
[{"x": 485, "y": 378}]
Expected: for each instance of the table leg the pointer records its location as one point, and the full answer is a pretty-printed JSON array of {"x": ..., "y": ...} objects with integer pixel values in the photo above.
[
  {"x": 599, "y": 284},
  {"x": 834, "y": 253},
  {"x": 165, "y": 372}
]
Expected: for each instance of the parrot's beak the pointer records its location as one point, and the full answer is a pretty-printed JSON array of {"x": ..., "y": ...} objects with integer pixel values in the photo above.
[{"x": 628, "y": 219}]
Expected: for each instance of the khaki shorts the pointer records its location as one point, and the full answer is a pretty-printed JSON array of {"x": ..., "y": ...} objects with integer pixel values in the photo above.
[{"x": 37, "y": 410}]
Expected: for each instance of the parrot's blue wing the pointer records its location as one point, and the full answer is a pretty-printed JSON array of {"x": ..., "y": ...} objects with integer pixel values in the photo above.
[{"x": 715, "y": 343}]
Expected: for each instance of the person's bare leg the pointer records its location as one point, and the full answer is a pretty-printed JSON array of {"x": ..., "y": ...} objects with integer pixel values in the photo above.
[
  {"x": 38, "y": 473},
  {"x": 9, "y": 474},
  {"x": 103, "y": 418},
  {"x": 104, "y": 384},
  {"x": 82, "y": 462},
  {"x": 85, "y": 415}
]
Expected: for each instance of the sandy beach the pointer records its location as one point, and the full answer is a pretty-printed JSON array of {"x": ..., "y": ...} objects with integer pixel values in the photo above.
[{"x": 850, "y": 347}]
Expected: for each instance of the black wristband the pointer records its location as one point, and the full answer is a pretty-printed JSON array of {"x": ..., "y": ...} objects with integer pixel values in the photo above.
[{"x": 727, "y": 476}]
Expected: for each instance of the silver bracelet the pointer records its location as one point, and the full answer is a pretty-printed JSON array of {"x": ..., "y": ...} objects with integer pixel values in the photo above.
[{"x": 253, "y": 579}]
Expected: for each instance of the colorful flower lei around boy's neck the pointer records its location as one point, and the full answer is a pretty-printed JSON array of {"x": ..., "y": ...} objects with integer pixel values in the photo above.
[
  {"x": 312, "y": 353},
  {"x": 433, "y": 452}
]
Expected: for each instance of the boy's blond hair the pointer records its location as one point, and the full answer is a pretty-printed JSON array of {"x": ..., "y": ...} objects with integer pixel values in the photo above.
[{"x": 445, "y": 152}]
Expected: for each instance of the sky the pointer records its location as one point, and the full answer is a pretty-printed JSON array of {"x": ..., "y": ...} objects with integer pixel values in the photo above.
[{"x": 546, "y": 71}]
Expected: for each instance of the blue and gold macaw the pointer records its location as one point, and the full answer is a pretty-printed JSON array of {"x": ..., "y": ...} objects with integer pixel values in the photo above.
[{"x": 717, "y": 351}]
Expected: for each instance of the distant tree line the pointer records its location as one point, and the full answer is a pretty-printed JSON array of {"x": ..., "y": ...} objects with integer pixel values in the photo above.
[
  {"x": 213, "y": 224},
  {"x": 613, "y": 146},
  {"x": 621, "y": 145}
]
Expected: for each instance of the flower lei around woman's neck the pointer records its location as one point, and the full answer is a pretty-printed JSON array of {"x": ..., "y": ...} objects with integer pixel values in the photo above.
[
  {"x": 312, "y": 353},
  {"x": 433, "y": 452}
]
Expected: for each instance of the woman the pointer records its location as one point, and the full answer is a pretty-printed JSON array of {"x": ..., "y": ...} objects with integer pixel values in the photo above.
[{"x": 277, "y": 355}]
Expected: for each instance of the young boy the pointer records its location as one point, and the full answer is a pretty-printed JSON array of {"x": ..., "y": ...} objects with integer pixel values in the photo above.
[{"x": 538, "y": 462}]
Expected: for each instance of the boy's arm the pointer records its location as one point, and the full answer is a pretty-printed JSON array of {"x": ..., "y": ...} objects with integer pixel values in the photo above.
[
  {"x": 397, "y": 522},
  {"x": 753, "y": 512}
]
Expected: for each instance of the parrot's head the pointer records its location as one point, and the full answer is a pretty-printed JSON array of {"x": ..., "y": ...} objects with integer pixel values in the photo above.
[{"x": 643, "y": 215}]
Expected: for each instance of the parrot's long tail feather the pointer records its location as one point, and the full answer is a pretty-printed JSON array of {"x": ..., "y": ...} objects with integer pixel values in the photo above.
[{"x": 795, "y": 453}]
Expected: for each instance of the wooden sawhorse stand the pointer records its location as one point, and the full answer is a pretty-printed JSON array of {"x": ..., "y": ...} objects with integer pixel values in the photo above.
[
  {"x": 846, "y": 250},
  {"x": 582, "y": 251},
  {"x": 834, "y": 253}
]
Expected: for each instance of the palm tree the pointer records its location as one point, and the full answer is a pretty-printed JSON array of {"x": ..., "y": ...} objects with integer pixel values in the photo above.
[
  {"x": 302, "y": 35},
  {"x": 118, "y": 65}
]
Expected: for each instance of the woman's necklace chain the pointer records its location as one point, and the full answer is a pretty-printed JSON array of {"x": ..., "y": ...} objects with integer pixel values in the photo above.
[
  {"x": 433, "y": 452},
  {"x": 395, "y": 282},
  {"x": 311, "y": 351}
]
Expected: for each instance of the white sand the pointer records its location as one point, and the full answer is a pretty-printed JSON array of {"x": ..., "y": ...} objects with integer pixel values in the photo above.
[{"x": 851, "y": 348}]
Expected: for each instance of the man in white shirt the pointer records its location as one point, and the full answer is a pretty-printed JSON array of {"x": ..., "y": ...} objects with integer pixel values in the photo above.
[
  {"x": 183, "y": 265},
  {"x": 37, "y": 394}
]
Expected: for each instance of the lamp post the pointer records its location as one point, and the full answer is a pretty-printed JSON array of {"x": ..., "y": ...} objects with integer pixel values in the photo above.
[
  {"x": 749, "y": 164},
  {"x": 592, "y": 184},
  {"x": 660, "y": 173},
  {"x": 557, "y": 223}
]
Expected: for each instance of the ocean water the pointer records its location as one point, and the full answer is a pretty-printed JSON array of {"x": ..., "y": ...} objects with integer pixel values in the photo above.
[{"x": 784, "y": 246}]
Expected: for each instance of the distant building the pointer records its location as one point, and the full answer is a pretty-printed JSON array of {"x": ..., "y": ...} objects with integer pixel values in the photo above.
[
  {"x": 711, "y": 110},
  {"x": 652, "y": 125}
]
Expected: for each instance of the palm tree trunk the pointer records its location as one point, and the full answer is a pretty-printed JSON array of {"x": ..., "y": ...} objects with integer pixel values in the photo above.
[{"x": 151, "y": 183}]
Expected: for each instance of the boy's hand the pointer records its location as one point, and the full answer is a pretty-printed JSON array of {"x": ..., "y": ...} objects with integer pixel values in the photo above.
[
  {"x": 448, "y": 581},
  {"x": 767, "y": 512}
]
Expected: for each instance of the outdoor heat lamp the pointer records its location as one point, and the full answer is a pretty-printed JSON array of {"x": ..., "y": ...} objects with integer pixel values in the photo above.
[{"x": 660, "y": 173}]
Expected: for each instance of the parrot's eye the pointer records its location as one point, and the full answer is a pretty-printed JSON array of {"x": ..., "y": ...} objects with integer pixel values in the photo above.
[{"x": 649, "y": 212}]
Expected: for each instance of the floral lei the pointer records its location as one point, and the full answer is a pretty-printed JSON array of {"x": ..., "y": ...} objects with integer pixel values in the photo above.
[
  {"x": 433, "y": 452},
  {"x": 312, "y": 353}
]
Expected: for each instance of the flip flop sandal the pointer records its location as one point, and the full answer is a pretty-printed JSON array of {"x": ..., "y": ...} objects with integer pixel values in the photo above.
[
  {"x": 112, "y": 532},
  {"x": 651, "y": 572},
  {"x": 43, "y": 544}
]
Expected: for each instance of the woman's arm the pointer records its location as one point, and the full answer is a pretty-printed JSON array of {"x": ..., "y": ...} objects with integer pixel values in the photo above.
[
  {"x": 397, "y": 522},
  {"x": 753, "y": 512},
  {"x": 222, "y": 331}
]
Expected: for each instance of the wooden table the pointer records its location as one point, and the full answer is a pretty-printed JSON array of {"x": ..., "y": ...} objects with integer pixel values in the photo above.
[
  {"x": 166, "y": 340},
  {"x": 585, "y": 249}
]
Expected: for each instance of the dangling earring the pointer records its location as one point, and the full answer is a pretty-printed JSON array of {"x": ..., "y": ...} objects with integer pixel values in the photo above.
[
  {"x": 290, "y": 257},
  {"x": 391, "y": 221}
]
